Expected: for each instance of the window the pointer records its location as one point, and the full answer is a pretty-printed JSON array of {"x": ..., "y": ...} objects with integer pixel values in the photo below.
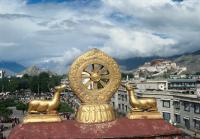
[
  {"x": 177, "y": 118},
  {"x": 126, "y": 107},
  {"x": 187, "y": 122},
  {"x": 197, "y": 124},
  {"x": 196, "y": 108},
  {"x": 122, "y": 106},
  {"x": 125, "y": 97},
  {"x": 119, "y": 106},
  {"x": 119, "y": 97},
  {"x": 122, "y": 97},
  {"x": 186, "y": 106},
  {"x": 166, "y": 103},
  {"x": 113, "y": 104},
  {"x": 166, "y": 116},
  {"x": 177, "y": 105}
]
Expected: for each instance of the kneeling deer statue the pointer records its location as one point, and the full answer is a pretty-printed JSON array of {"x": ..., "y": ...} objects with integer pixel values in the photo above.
[
  {"x": 46, "y": 106},
  {"x": 139, "y": 104}
]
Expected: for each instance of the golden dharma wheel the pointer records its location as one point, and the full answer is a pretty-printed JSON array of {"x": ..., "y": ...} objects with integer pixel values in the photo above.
[{"x": 94, "y": 78}]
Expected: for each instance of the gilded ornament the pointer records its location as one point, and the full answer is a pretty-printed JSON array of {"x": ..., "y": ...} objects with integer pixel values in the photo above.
[
  {"x": 141, "y": 108},
  {"x": 94, "y": 78},
  {"x": 45, "y": 110}
]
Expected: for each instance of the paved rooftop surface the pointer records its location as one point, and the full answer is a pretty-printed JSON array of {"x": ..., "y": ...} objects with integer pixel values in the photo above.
[{"x": 119, "y": 128}]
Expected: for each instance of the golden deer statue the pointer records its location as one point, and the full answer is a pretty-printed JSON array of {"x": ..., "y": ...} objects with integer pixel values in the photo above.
[
  {"x": 45, "y": 110},
  {"x": 46, "y": 106},
  {"x": 142, "y": 108}
]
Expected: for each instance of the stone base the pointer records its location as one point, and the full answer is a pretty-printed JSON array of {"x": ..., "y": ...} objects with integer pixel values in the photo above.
[
  {"x": 144, "y": 115},
  {"x": 95, "y": 113},
  {"x": 32, "y": 118},
  {"x": 120, "y": 128}
]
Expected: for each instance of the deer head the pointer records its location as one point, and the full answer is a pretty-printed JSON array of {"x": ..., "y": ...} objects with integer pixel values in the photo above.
[{"x": 128, "y": 86}]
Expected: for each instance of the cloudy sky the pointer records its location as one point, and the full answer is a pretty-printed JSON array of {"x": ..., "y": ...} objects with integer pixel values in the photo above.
[{"x": 52, "y": 33}]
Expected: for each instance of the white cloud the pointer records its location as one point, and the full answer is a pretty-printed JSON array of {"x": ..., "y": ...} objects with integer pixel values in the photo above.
[
  {"x": 11, "y": 6},
  {"x": 126, "y": 43},
  {"x": 52, "y": 35}
]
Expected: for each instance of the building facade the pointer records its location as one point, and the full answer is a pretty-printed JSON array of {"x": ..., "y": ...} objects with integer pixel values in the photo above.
[
  {"x": 120, "y": 101},
  {"x": 178, "y": 103},
  {"x": 2, "y": 74}
]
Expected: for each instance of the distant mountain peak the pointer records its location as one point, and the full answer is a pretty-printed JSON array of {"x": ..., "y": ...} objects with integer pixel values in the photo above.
[
  {"x": 34, "y": 71},
  {"x": 11, "y": 66}
]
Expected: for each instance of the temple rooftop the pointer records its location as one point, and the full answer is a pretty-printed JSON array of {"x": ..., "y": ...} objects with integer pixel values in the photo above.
[{"x": 120, "y": 128}]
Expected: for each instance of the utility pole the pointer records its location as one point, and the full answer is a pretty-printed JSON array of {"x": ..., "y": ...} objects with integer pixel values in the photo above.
[
  {"x": 38, "y": 88},
  {"x": 2, "y": 87}
]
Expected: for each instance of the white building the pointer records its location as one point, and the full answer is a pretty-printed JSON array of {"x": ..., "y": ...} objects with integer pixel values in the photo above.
[
  {"x": 179, "y": 108},
  {"x": 2, "y": 74},
  {"x": 153, "y": 85},
  {"x": 19, "y": 75},
  {"x": 120, "y": 101},
  {"x": 158, "y": 68}
]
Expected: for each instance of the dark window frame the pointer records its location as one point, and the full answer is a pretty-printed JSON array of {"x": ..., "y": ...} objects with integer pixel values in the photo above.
[
  {"x": 186, "y": 108},
  {"x": 119, "y": 106},
  {"x": 177, "y": 105},
  {"x": 166, "y": 103},
  {"x": 177, "y": 118},
  {"x": 196, "y": 124},
  {"x": 197, "y": 107},
  {"x": 166, "y": 116},
  {"x": 186, "y": 122}
]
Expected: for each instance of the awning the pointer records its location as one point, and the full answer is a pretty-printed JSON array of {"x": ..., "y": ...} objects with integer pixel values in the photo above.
[
  {"x": 197, "y": 118},
  {"x": 186, "y": 118}
]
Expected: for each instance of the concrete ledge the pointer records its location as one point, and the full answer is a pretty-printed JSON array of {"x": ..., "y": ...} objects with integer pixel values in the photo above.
[{"x": 120, "y": 128}]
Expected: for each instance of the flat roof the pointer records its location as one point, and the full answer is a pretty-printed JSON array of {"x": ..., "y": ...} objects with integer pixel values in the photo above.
[{"x": 182, "y": 80}]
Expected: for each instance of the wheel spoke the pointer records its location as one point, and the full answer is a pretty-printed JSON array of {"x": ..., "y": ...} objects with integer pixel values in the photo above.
[
  {"x": 103, "y": 70},
  {"x": 85, "y": 74},
  {"x": 85, "y": 80},
  {"x": 102, "y": 83},
  {"x": 95, "y": 85},
  {"x": 91, "y": 82},
  {"x": 87, "y": 83},
  {"x": 88, "y": 71},
  {"x": 95, "y": 67},
  {"x": 99, "y": 85},
  {"x": 105, "y": 76},
  {"x": 91, "y": 85}
]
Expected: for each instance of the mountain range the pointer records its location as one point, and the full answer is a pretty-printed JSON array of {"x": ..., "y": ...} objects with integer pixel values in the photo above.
[
  {"x": 11, "y": 67},
  {"x": 190, "y": 60},
  {"x": 34, "y": 70}
]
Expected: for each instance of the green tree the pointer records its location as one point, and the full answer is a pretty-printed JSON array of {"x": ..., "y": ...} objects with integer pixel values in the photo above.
[
  {"x": 13, "y": 84},
  {"x": 7, "y": 103},
  {"x": 34, "y": 84},
  {"x": 44, "y": 81},
  {"x": 22, "y": 106},
  {"x": 54, "y": 81},
  {"x": 5, "y": 112},
  {"x": 64, "y": 107}
]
